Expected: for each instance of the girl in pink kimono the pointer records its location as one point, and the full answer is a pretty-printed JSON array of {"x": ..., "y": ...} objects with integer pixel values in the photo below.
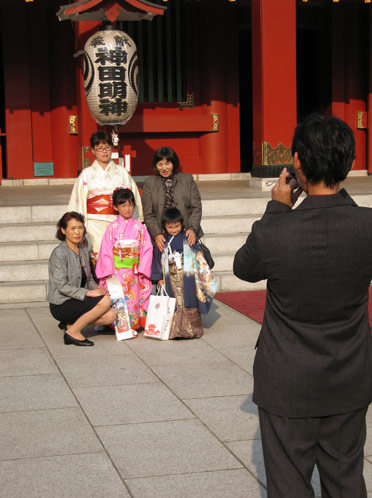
[{"x": 126, "y": 253}]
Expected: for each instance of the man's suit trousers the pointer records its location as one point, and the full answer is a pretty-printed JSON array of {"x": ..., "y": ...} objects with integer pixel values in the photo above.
[{"x": 292, "y": 447}]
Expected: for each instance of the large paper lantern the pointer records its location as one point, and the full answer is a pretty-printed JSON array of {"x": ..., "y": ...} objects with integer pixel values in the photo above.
[{"x": 111, "y": 76}]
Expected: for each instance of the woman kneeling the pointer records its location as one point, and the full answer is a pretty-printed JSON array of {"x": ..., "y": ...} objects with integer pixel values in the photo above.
[{"x": 74, "y": 297}]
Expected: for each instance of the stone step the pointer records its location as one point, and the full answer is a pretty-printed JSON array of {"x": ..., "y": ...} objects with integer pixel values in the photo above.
[
  {"x": 37, "y": 290},
  {"x": 31, "y": 214},
  {"x": 227, "y": 282},
  {"x": 19, "y": 232},
  {"x": 230, "y": 207},
  {"x": 23, "y": 292},
  {"x": 17, "y": 271},
  {"x": 37, "y": 232},
  {"x": 220, "y": 243},
  {"x": 223, "y": 261},
  {"x": 12, "y": 269},
  {"x": 36, "y": 251},
  {"x": 229, "y": 225},
  {"x": 52, "y": 213},
  {"x": 30, "y": 251},
  {"x": 364, "y": 200},
  {"x": 218, "y": 206}
]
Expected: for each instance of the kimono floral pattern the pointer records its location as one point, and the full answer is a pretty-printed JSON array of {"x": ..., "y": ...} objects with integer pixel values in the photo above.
[{"x": 126, "y": 253}]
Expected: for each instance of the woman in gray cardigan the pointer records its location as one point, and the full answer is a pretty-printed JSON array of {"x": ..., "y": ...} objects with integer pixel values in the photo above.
[
  {"x": 170, "y": 188},
  {"x": 74, "y": 297}
]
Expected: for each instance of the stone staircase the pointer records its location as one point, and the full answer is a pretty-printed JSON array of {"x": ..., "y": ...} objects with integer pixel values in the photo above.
[
  {"x": 226, "y": 224},
  {"x": 27, "y": 237}
]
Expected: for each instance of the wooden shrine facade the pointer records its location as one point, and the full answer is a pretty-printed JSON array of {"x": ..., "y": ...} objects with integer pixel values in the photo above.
[{"x": 222, "y": 82}]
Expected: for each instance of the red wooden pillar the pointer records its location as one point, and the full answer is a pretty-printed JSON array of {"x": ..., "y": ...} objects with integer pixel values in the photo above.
[
  {"x": 369, "y": 98},
  {"x": 86, "y": 123},
  {"x": 349, "y": 74},
  {"x": 274, "y": 84},
  {"x": 17, "y": 92},
  {"x": 63, "y": 99},
  {"x": 213, "y": 145},
  {"x": 40, "y": 84}
]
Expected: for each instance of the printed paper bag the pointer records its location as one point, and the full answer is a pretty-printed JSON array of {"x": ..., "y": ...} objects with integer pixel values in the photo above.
[
  {"x": 123, "y": 328},
  {"x": 159, "y": 316}
]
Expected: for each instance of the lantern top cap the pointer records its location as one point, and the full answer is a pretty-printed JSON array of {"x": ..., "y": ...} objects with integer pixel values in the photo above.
[
  {"x": 110, "y": 10},
  {"x": 107, "y": 26}
]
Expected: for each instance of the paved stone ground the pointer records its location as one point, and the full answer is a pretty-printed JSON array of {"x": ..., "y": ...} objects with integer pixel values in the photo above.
[{"x": 138, "y": 418}]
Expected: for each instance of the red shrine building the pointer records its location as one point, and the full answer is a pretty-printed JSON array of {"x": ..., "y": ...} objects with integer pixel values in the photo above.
[{"x": 222, "y": 82}]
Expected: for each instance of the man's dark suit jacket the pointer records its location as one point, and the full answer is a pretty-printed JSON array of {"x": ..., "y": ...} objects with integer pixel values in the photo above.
[{"x": 314, "y": 355}]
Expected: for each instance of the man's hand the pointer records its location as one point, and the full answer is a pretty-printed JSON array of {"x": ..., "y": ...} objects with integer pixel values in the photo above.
[{"x": 284, "y": 192}]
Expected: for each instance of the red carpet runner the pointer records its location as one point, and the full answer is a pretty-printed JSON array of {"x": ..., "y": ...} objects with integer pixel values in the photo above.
[{"x": 252, "y": 303}]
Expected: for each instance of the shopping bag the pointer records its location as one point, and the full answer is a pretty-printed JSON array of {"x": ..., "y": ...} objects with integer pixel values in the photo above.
[
  {"x": 123, "y": 329},
  {"x": 160, "y": 315}
]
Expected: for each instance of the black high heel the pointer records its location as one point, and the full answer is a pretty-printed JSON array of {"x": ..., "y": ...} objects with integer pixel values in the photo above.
[{"x": 77, "y": 342}]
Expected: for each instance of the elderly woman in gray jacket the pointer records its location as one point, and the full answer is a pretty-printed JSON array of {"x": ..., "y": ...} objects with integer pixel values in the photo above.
[
  {"x": 74, "y": 297},
  {"x": 170, "y": 188}
]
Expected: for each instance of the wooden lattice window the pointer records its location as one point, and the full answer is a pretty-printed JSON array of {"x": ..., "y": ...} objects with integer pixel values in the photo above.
[{"x": 161, "y": 55}]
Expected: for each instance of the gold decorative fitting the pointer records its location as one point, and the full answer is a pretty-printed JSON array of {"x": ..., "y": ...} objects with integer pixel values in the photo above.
[
  {"x": 362, "y": 120},
  {"x": 216, "y": 123},
  {"x": 189, "y": 102},
  {"x": 72, "y": 128},
  {"x": 85, "y": 161},
  {"x": 266, "y": 155}
]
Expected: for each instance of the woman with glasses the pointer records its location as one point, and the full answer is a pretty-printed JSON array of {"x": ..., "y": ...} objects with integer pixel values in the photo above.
[{"x": 92, "y": 192}]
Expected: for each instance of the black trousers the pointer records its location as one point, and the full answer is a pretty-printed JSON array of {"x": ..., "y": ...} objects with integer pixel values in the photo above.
[{"x": 292, "y": 447}]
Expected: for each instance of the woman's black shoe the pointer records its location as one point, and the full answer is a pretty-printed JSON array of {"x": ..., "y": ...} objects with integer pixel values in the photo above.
[{"x": 77, "y": 342}]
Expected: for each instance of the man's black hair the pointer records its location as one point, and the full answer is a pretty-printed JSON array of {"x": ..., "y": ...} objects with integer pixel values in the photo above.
[{"x": 325, "y": 147}]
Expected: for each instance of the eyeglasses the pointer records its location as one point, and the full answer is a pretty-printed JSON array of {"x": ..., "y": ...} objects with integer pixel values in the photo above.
[{"x": 103, "y": 148}]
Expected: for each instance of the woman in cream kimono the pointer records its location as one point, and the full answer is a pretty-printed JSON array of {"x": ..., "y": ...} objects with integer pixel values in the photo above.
[{"x": 92, "y": 192}]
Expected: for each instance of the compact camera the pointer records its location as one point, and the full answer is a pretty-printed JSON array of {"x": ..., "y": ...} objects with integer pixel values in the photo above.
[{"x": 292, "y": 177}]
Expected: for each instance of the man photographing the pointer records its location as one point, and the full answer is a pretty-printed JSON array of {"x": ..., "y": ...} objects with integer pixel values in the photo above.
[{"x": 313, "y": 366}]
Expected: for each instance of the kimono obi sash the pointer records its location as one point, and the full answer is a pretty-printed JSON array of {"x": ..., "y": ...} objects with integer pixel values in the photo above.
[
  {"x": 100, "y": 204},
  {"x": 126, "y": 253}
]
